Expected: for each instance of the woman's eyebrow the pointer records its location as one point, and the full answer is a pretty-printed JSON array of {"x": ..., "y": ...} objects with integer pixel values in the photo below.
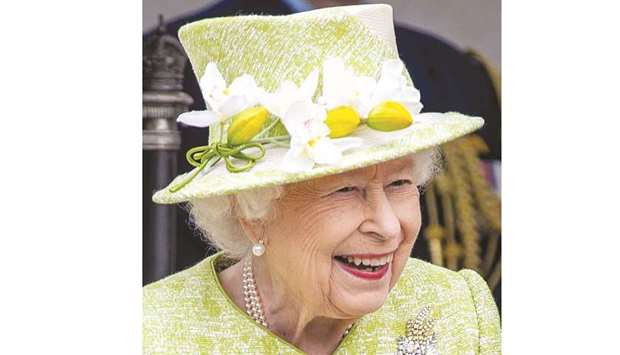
[{"x": 345, "y": 179}]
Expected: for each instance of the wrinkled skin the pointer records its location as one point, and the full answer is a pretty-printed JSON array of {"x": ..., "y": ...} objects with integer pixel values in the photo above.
[{"x": 305, "y": 291}]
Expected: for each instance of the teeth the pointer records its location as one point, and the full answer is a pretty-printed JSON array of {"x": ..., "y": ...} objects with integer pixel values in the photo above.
[{"x": 369, "y": 261}]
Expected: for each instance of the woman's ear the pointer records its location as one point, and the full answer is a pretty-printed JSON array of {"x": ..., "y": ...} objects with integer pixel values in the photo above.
[{"x": 253, "y": 229}]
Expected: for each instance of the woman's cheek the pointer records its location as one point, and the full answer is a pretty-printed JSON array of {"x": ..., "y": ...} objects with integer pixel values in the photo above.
[
  {"x": 345, "y": 214},
  {"x": 408, "y": 211},
  {"x": 400, "y": 260}
]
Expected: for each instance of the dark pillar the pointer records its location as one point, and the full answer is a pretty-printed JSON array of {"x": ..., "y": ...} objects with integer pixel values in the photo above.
[
  {"x": 158, "y": 221},
  {"x": 163, "y": 100}
]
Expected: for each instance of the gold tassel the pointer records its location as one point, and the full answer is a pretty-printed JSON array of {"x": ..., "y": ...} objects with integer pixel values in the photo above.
[
  {"x": 453, "y": 251},
  {"x": 470, "y": 209},
  {"x": 434, "y": 232},
  {"x": 495, "y": 276},
  {"x": 486, "y": 199},
  {"x": 465, "y": 207}
]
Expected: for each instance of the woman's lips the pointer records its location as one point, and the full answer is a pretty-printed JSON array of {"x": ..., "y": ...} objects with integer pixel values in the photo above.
[{"x": 363, "y": 274}]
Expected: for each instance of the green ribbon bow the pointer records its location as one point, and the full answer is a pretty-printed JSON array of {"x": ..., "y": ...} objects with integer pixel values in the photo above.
[{"x": 208, "y": 155}]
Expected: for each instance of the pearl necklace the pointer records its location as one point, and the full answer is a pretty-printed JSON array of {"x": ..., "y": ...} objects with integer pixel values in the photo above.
[
  {"x": 252, "y": 300},
  {"x": 250, "y": 295}
]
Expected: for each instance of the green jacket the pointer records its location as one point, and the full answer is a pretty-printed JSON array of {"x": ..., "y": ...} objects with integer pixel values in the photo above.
[{"x": 189, "y": 313}]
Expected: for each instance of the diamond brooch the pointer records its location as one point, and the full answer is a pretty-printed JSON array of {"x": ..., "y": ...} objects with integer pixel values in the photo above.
[{"x": 420, "y": 338}]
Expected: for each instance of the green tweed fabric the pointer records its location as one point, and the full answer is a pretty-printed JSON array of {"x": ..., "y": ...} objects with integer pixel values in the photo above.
[
  {"x": 222, "y": 182},
  {"x": 273, "y": 49},
  {"x": 189, "y": 313}
]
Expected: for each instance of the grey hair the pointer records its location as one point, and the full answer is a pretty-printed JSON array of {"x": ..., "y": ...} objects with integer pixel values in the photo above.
[{"x": 217, "y": 218}]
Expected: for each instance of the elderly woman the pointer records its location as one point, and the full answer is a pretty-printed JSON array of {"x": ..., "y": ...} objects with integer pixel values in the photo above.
[{"x": 310, "y": 189}]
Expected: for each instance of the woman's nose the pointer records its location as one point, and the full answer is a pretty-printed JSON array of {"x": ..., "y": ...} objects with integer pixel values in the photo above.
[{"x": 381, "y": 219}]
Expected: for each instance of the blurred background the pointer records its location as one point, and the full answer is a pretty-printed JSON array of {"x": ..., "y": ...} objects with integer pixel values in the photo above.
[
  {"x": 465, "y": 24},
  {"x": 453, "y": 53}
]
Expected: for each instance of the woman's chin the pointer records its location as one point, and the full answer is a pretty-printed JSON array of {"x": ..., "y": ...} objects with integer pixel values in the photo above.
[
  {"x": 356, "y": 306},
  {"x": 359, "y": 292}
]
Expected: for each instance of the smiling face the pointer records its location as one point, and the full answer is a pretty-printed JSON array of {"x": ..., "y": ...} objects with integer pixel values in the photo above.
[{"x": 339, "y": 243}]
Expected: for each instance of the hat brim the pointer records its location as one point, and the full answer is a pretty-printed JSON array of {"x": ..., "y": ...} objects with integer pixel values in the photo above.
[{"x": 431, "y": 129}]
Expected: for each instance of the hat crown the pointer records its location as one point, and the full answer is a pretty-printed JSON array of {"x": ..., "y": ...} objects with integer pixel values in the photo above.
[
  {"x": 378, "y": 18},
  {"x": 275, "y": 49}
]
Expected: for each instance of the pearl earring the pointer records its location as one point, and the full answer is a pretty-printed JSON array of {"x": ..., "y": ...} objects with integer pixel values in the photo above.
[{"x": 258, "y": 249}]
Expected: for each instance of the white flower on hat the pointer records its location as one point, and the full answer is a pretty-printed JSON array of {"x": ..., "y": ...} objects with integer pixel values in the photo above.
[
  {"x": 222, "y": 101},
  {"x": 393, "y": 86},
  {"x": 305, "y": 122},
  {"x": 310, "y": 143},
  {"x": 387, "y": 104},
  {"x": 288, "y": 93},
  {"x": 341, "y": 87}
]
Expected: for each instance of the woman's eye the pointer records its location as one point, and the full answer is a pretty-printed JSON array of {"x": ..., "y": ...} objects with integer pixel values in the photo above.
[
  {"x": 400, "y": 182},
  {"x": 347, "y": 189}
]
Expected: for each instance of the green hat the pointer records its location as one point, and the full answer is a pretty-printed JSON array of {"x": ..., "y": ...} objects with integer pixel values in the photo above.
[{"x": 295, "y": 97}]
